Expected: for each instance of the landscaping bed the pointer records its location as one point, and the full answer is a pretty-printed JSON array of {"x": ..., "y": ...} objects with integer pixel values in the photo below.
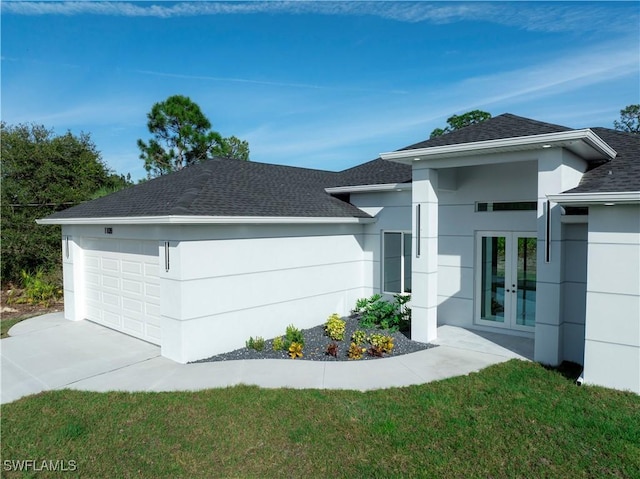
[{"x": 316, "y": 341}]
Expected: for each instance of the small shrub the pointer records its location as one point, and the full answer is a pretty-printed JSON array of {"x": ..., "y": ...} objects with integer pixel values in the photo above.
[
  {"x": 257, "y": 343},
  {"x": 335, "y": 327},
  {"x": 382, "y": 342},
  {"x": 39, "y": 289},
  {"x": 376, "y": 312},
  {"x": 402, "y": 301},
  {"x": 295, "y": 350},
  {"x": 358, "y": 336},
  {"x": 293, "y": 335},
  {"x": 278, "y": 344},
  {"x": 332, "y": 350},
  {"x": 355, "y": 351},
  {"x": 375, "y": 351}
]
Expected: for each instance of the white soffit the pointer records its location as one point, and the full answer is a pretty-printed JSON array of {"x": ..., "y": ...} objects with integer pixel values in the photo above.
[
  {"x": 585, "y": 143},
  {"x": 200, "y": 220},
  {"x": 369, "y": 188},
  {"x": 606, "y": 198}
]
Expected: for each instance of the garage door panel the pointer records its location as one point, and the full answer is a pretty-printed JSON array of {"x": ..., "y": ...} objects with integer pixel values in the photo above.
[
  {"x": 111, "y": 319},
  {"x": 110, "y": 299},
  {"x": 133, "y": 325},
  {"x": 133, "y": 287},
  {"x": 111, "y": 282},
  {"x": 132, "y": 267},
  {"x": 123, "y": 286},
  {"x": 152, "y": 292},
  {"x": 132, "y": 306},
  {"x": 153, "y": 332},
  {"x": 110, "y": 265},
  {"x": 152, "y": 310}
]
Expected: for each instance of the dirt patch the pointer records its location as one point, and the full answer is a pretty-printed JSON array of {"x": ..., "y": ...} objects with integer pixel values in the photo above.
[{"x": 11, "y": 309}]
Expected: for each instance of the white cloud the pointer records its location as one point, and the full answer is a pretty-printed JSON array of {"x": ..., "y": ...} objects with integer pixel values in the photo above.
[
  {"x": 401, "y": 121},
  {"x": 533, "y": 16},
  {"x": 265, "y": 82}
]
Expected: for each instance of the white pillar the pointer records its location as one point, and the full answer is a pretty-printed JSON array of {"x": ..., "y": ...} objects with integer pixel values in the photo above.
[
  {"x": 424, "y": 264},
  {"x": 73, "y": 277},
  {"x": 558, "y": 171}
]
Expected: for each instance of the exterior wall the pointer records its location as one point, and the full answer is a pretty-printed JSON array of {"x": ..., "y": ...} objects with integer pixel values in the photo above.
[
  {"x": 558, "y": 171},
  {"x": 226, "y": 283},
  {"x": 392, "y": 211},
  {"x": 459, "y": 222},
  {"x": 574, "y": 290},
  {"x": 612, "y": 343}
]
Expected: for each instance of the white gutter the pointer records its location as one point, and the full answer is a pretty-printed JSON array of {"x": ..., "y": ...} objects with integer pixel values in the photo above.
[
  {"x": 369, "y": 188},
  {"x": 203, "y": 220},
  {"x": 586, "y": 199},
  {"x": 563, "y": 138}
]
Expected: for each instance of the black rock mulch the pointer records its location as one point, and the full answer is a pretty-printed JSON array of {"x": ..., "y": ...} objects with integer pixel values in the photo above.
[{"x": 316, "y": 342}]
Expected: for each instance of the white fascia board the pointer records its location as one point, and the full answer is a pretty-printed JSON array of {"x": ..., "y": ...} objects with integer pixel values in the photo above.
[
  {"x": 204, "y": 220},
  {"x": 586, "y": 199},
  {"x": 369, "y": 188},
  {"x": 532, "y": 142}
]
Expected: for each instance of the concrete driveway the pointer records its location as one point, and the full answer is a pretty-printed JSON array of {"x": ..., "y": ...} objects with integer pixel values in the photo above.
[{"x": 49, "y": 352}]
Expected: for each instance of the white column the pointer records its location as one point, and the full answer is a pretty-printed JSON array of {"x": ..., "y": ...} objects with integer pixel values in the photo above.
[
  {"x": 424, "y": 264},
  {"x": 558, "y": 171},
  {"x": 73, "y": 276}
]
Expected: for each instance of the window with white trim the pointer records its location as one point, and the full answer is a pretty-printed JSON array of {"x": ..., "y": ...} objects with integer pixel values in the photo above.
[{"x": 396, "y": 262}]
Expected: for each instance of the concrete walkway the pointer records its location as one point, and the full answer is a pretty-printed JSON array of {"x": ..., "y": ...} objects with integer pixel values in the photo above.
[{"x": 49, "y": 352}]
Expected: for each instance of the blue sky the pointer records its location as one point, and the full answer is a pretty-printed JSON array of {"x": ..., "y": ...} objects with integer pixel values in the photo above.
[{"x": 315, "y": 84}]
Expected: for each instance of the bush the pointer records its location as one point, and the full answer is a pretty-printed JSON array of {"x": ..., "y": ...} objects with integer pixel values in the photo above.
[
  {"x": 257, "y": 343},
  {"x": 293, "y": 335},
  {"x": 358, "y": 336},
  {"x": 355, "y": 351},
  {"x": 39, "y": 289},
  {"x": 278, "y": 344},
  {"x": 382, "y": 342},
  {"x": 295, "y": 350},
  {"x": 332, "y": 350},
  {"x": 376, "y": 312},
  {"x": 335, "y": 327}
]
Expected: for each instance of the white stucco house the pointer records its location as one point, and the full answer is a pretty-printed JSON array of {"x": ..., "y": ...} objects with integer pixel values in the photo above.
[{"x": 510, "y": 225}]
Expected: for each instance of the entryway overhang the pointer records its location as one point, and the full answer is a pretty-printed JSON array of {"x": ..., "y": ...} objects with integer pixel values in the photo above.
[{"x": 584, "y": 143}]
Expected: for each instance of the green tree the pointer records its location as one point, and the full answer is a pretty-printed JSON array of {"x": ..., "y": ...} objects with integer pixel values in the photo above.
[
  {"x": 629, "y": 119},
  {"x": 232, "y": 147},
  {"x": 182, "y": 136},
  {"x": 455, "y": 122},
  {"x": 43, "y": 173}
]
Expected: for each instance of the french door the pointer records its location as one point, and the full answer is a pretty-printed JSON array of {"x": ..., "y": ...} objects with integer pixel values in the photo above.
[{"x": 506, "y": 282}]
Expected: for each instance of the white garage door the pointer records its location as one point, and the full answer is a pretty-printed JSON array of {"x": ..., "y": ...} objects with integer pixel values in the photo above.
[{"x": 123, "y": 288}]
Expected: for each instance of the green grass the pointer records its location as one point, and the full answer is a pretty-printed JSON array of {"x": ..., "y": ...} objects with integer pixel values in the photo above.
[
  {"x": 7, "y": 324},
  {"x": 512, "y": 420}
]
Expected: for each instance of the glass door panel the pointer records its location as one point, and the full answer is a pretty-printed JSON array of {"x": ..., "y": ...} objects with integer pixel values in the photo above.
[
  {"x": 526, "y": 289},
  {"x": 506, "y": 294},
  {"x": 492, "y": 294}
]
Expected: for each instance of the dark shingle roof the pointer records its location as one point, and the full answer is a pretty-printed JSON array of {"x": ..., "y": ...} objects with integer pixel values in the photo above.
[
  {"x": 224, "y": 187},
  {"x": 498, "y": 127},
  {"x": 374, "y": 172},
  {"x": 620, "y": 174}
]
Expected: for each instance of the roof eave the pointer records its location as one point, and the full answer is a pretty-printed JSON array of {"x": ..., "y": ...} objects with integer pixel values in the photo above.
[
  {"x": 596, "y": 198},
  {"x": 203, "y": 220},
  {"x": 572, "y": 139},
  {"x": 368, "y": 188}
]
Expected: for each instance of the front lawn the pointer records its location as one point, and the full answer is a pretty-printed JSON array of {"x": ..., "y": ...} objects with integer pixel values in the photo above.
[{"x": 515, "y": 419}]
